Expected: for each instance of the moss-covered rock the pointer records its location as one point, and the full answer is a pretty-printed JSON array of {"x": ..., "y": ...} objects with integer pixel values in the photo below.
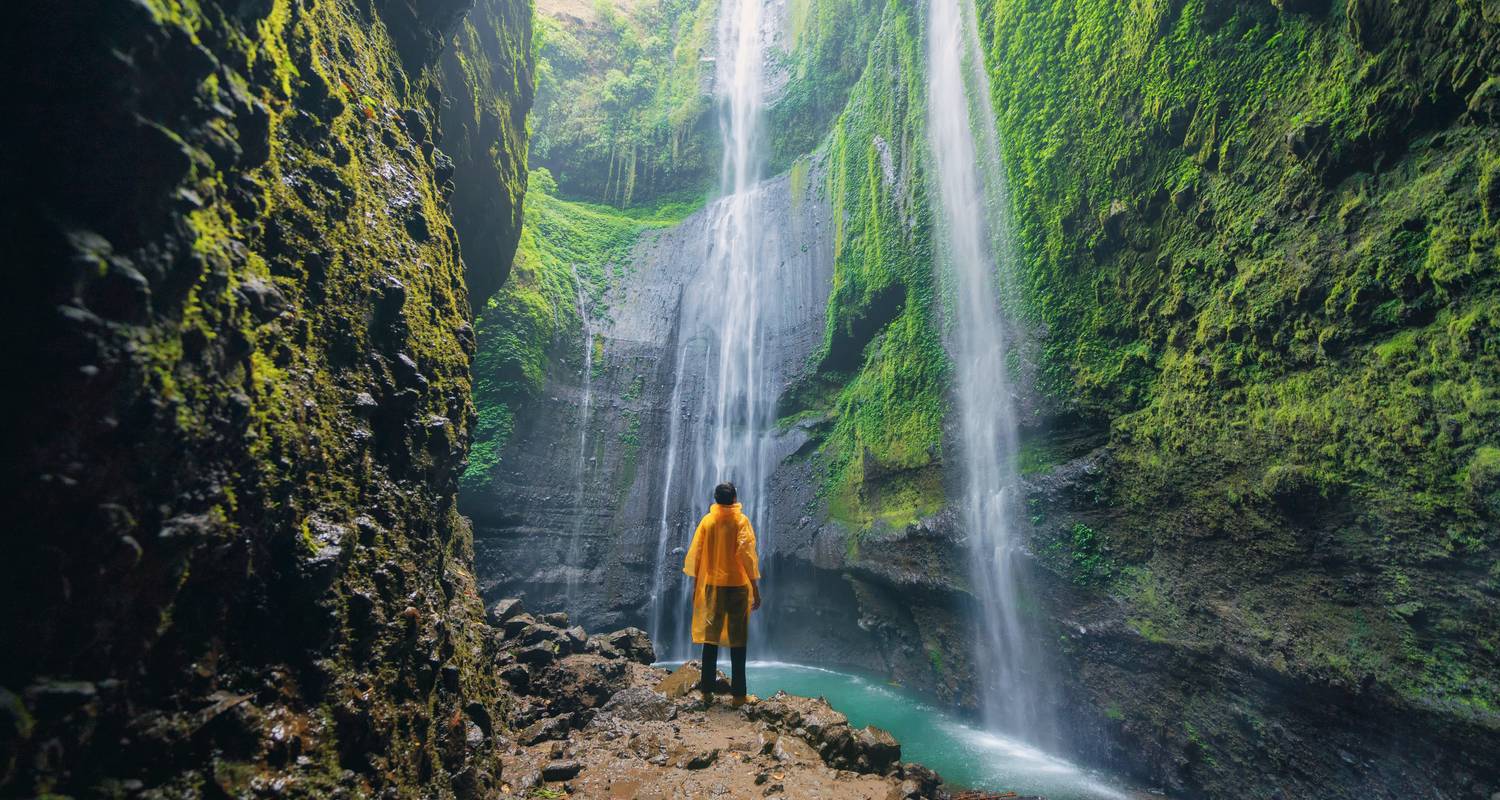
[
  {"x": 1258, "y": 242},
  {"x": 235, "y": 565}
]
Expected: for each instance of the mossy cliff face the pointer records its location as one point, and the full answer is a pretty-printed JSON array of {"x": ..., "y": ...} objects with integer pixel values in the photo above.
[
  {"x": 1260, "y": 244},
  {"x": 487, "y": 80},
  {"x": 235, "y": 563}
]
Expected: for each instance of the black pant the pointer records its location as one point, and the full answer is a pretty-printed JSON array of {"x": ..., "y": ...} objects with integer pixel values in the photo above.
[{"x": 711, "y": 669}]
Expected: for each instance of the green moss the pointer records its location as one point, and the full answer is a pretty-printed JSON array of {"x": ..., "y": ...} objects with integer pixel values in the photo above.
[
  {"x": 534, "y": 319},
  {"x": 1279, "y": 295},
  {"x": 881, "y": 373}
]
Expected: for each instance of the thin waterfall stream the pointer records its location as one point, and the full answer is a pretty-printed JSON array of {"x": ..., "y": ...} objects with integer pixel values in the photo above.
[
  {"x": 975, "y": 260},
  {"x": 574, "y": 565}
]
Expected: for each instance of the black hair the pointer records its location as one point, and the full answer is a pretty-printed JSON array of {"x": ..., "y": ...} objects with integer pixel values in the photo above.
[{"x": 725, "y": 494}]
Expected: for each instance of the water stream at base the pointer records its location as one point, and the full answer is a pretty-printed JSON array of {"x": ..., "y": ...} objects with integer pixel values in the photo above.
[
  {"x": 975, "y": 263},
  {"x": 721, "y": 326}
]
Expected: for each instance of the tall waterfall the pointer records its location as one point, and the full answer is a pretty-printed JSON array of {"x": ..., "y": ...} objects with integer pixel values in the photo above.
[
  {"x": 719, "y": 420},
  {"x": 976, "y": 262}
]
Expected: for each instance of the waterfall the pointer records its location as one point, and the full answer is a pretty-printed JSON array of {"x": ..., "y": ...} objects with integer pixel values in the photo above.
[
  {"x": 720, "y": 332},
  {"x": 575, "y": 561},
  {"x": 976, "y": 263}
]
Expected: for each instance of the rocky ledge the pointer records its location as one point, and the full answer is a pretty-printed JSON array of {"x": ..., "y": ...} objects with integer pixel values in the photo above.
[{"x": 593, "y": 718}]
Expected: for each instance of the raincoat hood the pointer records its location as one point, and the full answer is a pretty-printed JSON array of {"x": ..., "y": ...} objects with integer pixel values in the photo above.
[{"x": 732, "y": 508}]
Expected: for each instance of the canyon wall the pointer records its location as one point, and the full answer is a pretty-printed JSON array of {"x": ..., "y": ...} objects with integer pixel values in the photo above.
[
  {"x": 1260, "y": 430},
  {"x": 238, "y": 305}
]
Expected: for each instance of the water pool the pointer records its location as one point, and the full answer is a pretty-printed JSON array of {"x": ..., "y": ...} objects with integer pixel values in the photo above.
[{"x": 963, "y": 754}]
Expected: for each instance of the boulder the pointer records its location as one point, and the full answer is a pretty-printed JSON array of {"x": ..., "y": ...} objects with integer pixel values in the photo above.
[
  {"x": 513, "y": 626},
  {"x": 557, "y": 619},
  {"x": 639, "y": 703},
  {"x": 878, "y": 747},
  {"x": 537, "y": 633},
  {"x": 561, "y": 770},
  {"x": 546, "y": 730},
  {"x": 502, "y": 610},
  {"x": 579, "y": 682},
  {"x": 518, "y": 676},
  {"x": 679, "y": 683},
  {"x": 632, "y": 643},
  {"x": 538, "y": 655}
]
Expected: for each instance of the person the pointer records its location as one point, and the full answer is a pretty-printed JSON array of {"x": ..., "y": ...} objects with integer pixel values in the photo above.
[{"x": 726, "y": 588}]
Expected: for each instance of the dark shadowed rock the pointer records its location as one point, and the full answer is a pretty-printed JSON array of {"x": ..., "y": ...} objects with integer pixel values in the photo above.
[
  {"x": 581, "y": 681},
  {"x": 545, "y": 730},
  {"x": 537, "y": 655},
  {"x": 502, "y": 610},
  {"x": 561, "y": 771},
  {"x": 700, "y": 760},
  {"x": 512, "y": 627},
  {"x": 632, "y": 643}
]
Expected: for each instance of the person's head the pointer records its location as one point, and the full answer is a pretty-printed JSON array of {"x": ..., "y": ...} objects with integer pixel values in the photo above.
[{"x": 725, "y": 494}]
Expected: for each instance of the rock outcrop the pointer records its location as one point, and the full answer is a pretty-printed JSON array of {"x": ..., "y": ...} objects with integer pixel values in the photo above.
[
  {"x": 596, "y": 719},
  {"x": 240, "y": 337}
]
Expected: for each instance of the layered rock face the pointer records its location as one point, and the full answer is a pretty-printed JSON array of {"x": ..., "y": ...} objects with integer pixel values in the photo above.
[
  {"x": 558, "y": 519},
  {"x": 243, "y": 336}
]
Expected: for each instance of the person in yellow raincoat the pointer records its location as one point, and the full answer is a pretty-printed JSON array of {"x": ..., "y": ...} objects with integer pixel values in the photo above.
[{"x": 726, "y": 574}]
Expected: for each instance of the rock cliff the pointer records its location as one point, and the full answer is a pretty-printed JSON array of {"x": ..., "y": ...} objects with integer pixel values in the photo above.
[{"x": 239, "y": 307}]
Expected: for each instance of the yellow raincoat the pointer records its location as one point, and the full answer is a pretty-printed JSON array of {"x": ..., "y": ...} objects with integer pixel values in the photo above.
[{"x": 722, "y": 557}]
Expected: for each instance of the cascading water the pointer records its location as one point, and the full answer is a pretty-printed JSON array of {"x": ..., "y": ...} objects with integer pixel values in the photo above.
[
  {"x": 575, "y": 560},
  {"x": 975, "y": 262},
  {"x": 721, "y": 328}
]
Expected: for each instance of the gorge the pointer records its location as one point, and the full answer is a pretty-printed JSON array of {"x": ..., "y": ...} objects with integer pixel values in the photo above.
[
  {"x": 1205, "y": 200},
  {"x": 1114, "y": 386}
]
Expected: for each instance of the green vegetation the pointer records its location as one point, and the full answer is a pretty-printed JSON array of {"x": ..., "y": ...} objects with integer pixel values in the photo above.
[
  {"x": 882, "y": 369},
  {"x": 622, "y": 115},
  {"x": 827, "y": 46},
  {"x": 1087, "y": 563},
  {"x": 1264, "y": 250},
  {"x": 534, "y": 318}
]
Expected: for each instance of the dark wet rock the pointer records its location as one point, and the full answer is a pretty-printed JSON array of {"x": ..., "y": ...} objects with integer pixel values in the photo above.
[
  {"x": 581, "y": 682},
  {"x": 878, "y": 748},
  {"x": 512, "y": 627},
  {"x": 537, "y": 655},
  {"x": 925, "y": 779},
  {"x": 632, "y": 643},
  {"x": 561, "y": 771},
  {"x": 538, "y": 633},
  {"x": 502, "y": 610},
  {"x": 865, "y": 750},
  {"x": 549, "y": 729},
  {"x": 557, "y": 619},
  {"x": 518, "y": 676}
]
